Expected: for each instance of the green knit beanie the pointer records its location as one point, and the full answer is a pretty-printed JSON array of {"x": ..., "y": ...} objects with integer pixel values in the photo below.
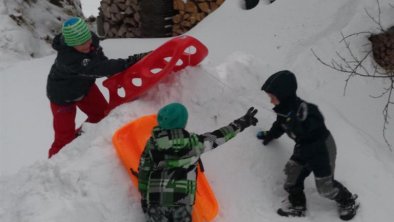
[
  {"x": 172, "y": 116},
  {"x": 75, "y": 31}
]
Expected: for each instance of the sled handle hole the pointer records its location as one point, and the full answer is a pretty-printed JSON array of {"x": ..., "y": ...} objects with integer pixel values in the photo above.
[
  {"x": 136, "y": 82},
  {"x": 179, "y": 62},
  {"x": 156, "y": 70},
  {"x": 191, "y": 50},
  {"x": 167, "y": 59},
  {"x": 121, "y": 92}
]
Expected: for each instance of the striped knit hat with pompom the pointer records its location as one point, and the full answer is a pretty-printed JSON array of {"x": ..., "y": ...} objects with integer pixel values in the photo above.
[{"x": 75, "y": 31}]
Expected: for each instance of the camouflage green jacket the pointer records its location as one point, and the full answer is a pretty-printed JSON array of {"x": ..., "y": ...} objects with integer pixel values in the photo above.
[{"x": 168, "y": 166}]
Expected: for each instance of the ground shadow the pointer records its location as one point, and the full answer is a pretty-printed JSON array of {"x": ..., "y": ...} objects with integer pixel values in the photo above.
[{"x": 250, "y": 4}]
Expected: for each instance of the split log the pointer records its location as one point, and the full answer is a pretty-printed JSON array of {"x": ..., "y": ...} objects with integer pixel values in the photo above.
[{"x": 152, "y": 18}]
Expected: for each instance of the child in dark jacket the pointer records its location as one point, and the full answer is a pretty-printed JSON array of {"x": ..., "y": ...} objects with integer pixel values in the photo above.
[
  {"x": 314, "y": 151},
  {"x": 71, "y": 81},
  {"x": 168, "y": 166}
]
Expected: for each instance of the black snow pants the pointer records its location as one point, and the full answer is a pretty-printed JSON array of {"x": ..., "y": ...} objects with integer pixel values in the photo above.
[
  {"x": 169, "y": 214},
  {"x": 317, "y": 157}
]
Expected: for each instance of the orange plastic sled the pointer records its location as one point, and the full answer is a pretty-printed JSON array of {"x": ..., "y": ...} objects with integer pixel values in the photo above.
[{"x": 129, "y": 142}]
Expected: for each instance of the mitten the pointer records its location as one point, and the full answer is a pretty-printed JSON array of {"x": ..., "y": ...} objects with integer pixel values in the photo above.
[
  {"x": 265, "y": 136},
  {"x": 142, "y": 55},
  {"x": 131, "y": 60},
  {"x": 247, "y": 120}
]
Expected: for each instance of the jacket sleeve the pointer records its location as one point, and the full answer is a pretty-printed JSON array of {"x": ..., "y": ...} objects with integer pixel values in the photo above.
[
  {"x": 211, "y": 140},
  {"x": 310, "y": 125},
  {"x": 131, "y": 60},
  {"x": 93, "y": 66},
  {"x": 184, "y": 150},
  {"x": 144, "y": 169},
  {"x": 276, "y": 130}
]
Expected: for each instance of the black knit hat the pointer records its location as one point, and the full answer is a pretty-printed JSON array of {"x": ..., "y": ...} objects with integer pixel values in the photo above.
[{"x": 282, "y": 84}]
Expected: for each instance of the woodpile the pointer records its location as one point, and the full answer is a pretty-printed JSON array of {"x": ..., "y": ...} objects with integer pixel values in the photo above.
[
  {"x": 383, "y": 49},
  {"x": 156, "y": 17},
  {"x": 151, "y": 18},
  {"x": 191, "y": 12},
  {"x": 120, "y": 18}
]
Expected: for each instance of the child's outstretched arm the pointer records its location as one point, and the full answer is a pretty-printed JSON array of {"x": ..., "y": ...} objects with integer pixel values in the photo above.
[
  {"x": 275, "y": 132},
  {"x": 211, "y": 140}
]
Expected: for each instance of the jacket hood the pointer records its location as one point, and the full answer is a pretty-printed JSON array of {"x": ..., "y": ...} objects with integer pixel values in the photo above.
[
  {"x": 58, "y": 43},
  {"x": 282, "y": 84}
]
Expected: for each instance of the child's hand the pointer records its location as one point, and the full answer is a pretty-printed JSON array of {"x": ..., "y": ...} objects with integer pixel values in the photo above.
[
  {"x": 261, "y": 135},
  {"x": 265, "y": 136},
  {"x": 247, "y": 120}
]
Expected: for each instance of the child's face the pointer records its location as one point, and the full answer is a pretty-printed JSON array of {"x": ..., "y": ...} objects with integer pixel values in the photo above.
[
  {"x": 275, "y": 101},
  {"x": 84, "y": 48}
]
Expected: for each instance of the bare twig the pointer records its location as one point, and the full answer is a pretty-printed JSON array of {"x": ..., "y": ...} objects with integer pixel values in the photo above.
[
  {"x": 353, "y": 64},
  {"x": 378, "y": 21},
  {"x": 386, "y": 112},
  {"x": 353, "y": 34}
]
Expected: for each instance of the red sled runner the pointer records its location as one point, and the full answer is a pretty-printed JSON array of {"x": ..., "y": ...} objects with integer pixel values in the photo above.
[
  {"x": 129, "y": 142},
  {"x": 172, "y": 56}
]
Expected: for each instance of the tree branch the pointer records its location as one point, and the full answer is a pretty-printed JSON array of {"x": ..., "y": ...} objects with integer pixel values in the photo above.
[{"x": 356, "y": 65}]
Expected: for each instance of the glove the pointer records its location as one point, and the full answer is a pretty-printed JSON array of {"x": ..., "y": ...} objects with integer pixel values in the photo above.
[
  {"x": 265, "y": 136},
  {"x": 131, "y": 60},
  {"x": 247, "y": 120},
  {"x": 142, "y": 55}
]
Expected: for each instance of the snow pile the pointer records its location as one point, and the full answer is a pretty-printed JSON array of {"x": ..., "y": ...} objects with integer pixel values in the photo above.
[
  {"x": 86, "y": 182},
  {"x": 27, "y": 26}
]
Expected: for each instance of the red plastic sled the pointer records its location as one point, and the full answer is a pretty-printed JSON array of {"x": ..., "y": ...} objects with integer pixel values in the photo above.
[
  {"x": 129, "y": 142},
  {"x": 172, "y": 56}
]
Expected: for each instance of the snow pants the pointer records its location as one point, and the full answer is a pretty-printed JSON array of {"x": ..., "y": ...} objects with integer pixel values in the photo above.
[
  {"x": 319, "y": 158},
  {"x": 169, "y": 214},
  {"x": 94, "y": 105}
]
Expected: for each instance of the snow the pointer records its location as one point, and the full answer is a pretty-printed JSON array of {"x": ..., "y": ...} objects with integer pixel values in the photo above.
[
  {"x": 90, "y": 8},
  {"x": 86, "y": 182},
  {"x": 37, "y": 21}
]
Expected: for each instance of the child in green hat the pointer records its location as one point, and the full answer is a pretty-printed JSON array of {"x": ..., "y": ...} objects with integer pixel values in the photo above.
[
  {"x": 71, "y": 80},
  {"x": 168, "y": 166}
]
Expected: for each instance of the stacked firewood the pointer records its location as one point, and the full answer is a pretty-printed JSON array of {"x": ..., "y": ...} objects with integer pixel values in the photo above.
[
  {"x": 140, "y": 18},
  {"x": 120, "y": 18},
  {"x": 191, "y": 12}
]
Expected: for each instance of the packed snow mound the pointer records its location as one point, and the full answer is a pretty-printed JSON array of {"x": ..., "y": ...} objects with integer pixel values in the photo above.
[
  {"x": 86, "y": 177},
  {"x": 86, "y": 182}
]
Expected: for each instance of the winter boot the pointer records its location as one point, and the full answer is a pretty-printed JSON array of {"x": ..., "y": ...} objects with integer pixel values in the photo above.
[
  {"x": 347, "y": 208},
  {"x": 289, "y": 210}
]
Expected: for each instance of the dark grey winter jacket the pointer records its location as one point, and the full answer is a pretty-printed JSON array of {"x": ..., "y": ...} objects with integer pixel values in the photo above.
[
  {"x": 300, "y": 120},
  {"x": 73, "y": 72}
]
